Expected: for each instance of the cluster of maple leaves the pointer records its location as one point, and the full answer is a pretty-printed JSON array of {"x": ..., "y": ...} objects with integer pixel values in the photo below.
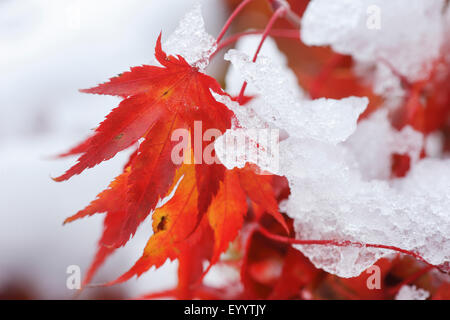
[
  {"x": 211, "y": 206},
  {"x": 210, "y": 202}
]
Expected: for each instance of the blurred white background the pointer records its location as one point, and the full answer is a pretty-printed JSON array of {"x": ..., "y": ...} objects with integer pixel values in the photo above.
[{"x": 48, "y": 50}]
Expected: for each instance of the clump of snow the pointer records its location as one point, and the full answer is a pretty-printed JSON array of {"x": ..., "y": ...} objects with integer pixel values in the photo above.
[
  {"x": 268, "y": 50},
  {"x": 405, "y": 35},
  {"x": 245, "y": 117},
  {"x": 434, "y": 144},
  {"x": 221, "y": 275},
  {"x": 412, "y": 293},
  {"x": 249, "y": 140},
  {"x": 336, "y": 203},
  {"x": 277, "y": 61},
  {"x": 383, "y": 81},
  {"x": 284, "y": 107},
  {"x": 377, "y": 135},
  {"x": 336, "y": 170},
  {"x": 191, "y": 40}
]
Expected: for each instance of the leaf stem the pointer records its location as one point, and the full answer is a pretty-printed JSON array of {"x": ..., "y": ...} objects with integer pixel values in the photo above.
[
  {"x": 339, "y": 243},
  {"x": 290, "y": 15},
  {"x": 277, "y": 33},
  {"x": 393, "y": 291},
  {"x": 278, "y": 13},
  {"x": 231, "y": 18}
]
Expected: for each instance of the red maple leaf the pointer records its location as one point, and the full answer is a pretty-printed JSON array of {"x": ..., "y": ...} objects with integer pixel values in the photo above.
[
  {"x": 209, "y": 203},
  {"x": 158, "y": 100}
]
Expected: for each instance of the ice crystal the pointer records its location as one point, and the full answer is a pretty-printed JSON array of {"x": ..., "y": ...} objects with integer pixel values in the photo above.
[
  {"x": 337, "y": 174},
  {"x": 403, "y": 35},
  {"x": 190, "y": 39}
]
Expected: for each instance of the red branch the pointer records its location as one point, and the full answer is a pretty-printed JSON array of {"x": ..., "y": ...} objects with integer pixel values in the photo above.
[
  {"x": 410, "y": 279},
  {"x": 290, "y": 15},
  {"x": 277, "y": 33},
  {"x": 231, "y": 18},
  {"x": 339, "y": 243},
  {"x": 279, "y": 12}
]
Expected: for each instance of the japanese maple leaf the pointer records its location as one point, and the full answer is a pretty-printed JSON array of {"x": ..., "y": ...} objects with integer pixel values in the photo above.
[
  {"x": 209, "y": 203},
  {"x": 157, "y": 101}
]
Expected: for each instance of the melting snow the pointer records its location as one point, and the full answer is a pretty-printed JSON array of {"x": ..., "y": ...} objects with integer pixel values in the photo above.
[
  {"x": 412, "y": 293},
  {"x": 337, "y": 171}
]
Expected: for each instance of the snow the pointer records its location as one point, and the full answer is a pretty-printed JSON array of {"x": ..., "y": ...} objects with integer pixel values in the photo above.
[
  {"x": 411, "y": 214},
  {"x": 377, "y": 135},
  {"x": 434, "y": 145},
  {"x": 191, "y": 40},
  {"x": 35, "y": 246},
  {"x": 338, "y": 171},
  {"x": 412, "y": 293},
  {"x": 403, "y": 35},
  {"x": 268, "y": 50},
  {"x": 248, "y": 117},
  {"x": 221, "y": 275},
  {"x": 284, "y": 108},
  {"x": 383, "y": 81}
]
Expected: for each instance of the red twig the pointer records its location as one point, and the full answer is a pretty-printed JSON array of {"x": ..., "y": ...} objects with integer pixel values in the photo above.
[
  {"x": 412, "y": 278},
  {"x": 279, "y": 12},
  {"x": 290, "y": 15},
  {"x": 404, "y": 81},
  {"x": 231, "y": 18},
  {"x": 277, "y": 33},
  {"x": 340, "y": 243}
]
